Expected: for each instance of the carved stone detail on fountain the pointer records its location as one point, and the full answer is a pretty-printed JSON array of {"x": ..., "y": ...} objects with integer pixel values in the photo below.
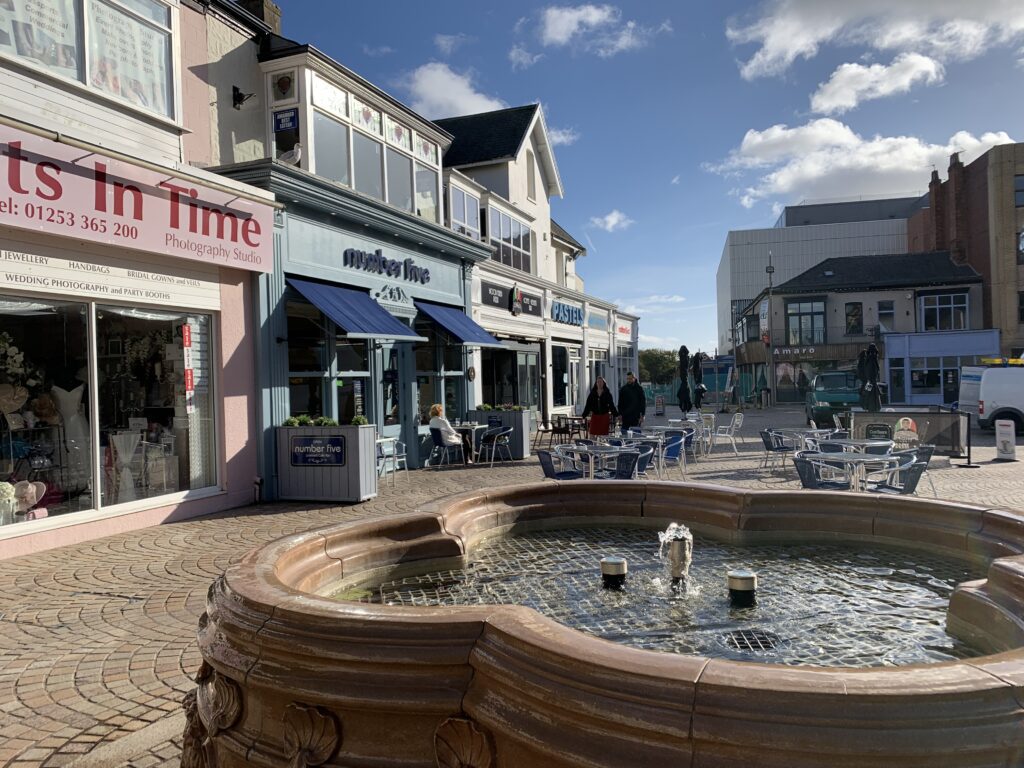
[
  {"x": 214, "y": 706},
  {"x": 460, "y": 743},
  {"x": 311, "y": 734}
]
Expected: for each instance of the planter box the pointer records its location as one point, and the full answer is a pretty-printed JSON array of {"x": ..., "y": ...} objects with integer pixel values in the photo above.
[
  {"x": 518, "y": 420},
  {"x": 327, "y": 463}
]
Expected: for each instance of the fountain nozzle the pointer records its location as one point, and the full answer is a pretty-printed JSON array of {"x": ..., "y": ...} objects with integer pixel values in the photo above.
[
  {"x": 742, "y": 587},
  {"x": 613, "y": 571}
]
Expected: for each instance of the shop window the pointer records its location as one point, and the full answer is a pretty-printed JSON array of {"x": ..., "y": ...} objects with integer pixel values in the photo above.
[
  {"x": 390, "y": 398},
  {"x": 465, "y": 213},
  {"x": 352, "y": 355},
  {"x": 560, "y": 376},
  {"x": 805, "y": 322},
  {"x": 306, "y": 396},
  {"x": 44, "y": 402},
  {"x": 156, "y": 402},
  {"x": 399, "y": 180},
  {"x": 1020, "y": 307},
  {"x": 128, "y": 51},
  {"x": 351, "y": 398},
  {"x": 426, "y": 194},
  {"x": 897, "y": 380},
  {"x": 330, "y": 148},
  {"x": 886, "y": 316},
  {"x": 925, "y": 376},
  {"x": 305, "y": 337},
  {"x": 944, "y": 312},
  {"x": 367, "y": 162},
  {"x": 854, "y": 318}
]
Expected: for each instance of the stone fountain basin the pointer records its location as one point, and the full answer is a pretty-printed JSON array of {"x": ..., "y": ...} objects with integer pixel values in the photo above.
[{"x": 292, "y": 677}]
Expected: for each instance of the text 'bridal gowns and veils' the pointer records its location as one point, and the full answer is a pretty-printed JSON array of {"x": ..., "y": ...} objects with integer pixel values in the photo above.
[{"x": 77, "y": 461}]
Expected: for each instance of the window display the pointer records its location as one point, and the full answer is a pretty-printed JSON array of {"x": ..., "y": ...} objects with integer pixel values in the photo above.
[{"x": 155, "y": 404}]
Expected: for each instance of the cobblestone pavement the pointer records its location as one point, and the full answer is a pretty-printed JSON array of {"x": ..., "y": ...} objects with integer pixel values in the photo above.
[{"x": 97, "y": 640}]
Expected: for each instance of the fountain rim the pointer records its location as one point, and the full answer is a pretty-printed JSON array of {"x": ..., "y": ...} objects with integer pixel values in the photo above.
[{"x": 289, "y": 578}]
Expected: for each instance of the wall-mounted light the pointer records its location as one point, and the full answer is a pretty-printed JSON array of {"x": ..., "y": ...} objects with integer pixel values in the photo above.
[{"x": 238, "y": 98}]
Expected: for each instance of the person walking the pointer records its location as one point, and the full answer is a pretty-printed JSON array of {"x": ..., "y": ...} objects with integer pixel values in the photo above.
[
  {"x": 683, "y": 393},
  {"x": 632, "y": 403},
  {"x": 600, "y": 408}
]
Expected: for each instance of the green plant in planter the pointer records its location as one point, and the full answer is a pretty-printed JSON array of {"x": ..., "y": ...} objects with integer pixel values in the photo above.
[
  {"x": 360, "y": 421},
  {"x": 291, "y": 421},
  {"x": 323, "y": 421},
  {"x": 518, "y": 408},
  {"x": 486, "y": 407},
  {"x": 304, "y": 421}
]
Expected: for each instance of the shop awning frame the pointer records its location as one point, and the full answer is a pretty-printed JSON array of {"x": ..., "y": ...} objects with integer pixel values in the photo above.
[
  {"x": 460, "y": 325},
  {"x": 354, "y": 311}
]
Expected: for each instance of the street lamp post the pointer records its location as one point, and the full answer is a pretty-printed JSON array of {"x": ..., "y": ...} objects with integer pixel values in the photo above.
[{"x": 770, "y": 270}]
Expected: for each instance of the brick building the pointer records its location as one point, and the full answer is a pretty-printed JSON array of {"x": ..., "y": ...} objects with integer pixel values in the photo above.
[{"x": 977, "y": 214}]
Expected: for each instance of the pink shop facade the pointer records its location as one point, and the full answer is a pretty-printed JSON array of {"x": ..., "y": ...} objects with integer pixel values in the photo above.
[{"x": 127, "y": 386}]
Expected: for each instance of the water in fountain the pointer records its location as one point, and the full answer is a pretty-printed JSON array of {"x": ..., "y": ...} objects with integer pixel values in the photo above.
[{"x": 680, "y": 551}]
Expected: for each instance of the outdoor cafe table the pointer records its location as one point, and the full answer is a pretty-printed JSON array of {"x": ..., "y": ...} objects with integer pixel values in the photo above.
[
  {"x": 859, "y": 446},
  {"x": 595, "y": 453},
  {"x": 471, "y": 428},
  {"x": 856, "y": 465},
  {"x": 803, "y": 434}
]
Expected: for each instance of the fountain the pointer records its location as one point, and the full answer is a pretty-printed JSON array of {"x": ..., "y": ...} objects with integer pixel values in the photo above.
[
  {"x": 292, "y": 676},
  {"x": 680, "y": 551}
]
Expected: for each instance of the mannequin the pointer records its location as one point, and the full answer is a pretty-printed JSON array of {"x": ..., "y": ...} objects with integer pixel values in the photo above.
[{"x": 76, "y": 448}]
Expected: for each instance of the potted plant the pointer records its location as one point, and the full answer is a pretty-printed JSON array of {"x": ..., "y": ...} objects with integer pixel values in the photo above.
[{"x": 321, "y": 460}]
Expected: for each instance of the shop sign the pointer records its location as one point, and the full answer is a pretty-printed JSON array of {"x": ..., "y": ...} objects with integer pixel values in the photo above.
[
  {"x": 377, "y": 262},
  {"x": 516, "y": 301},
  {"x": 789, "y": 351},
  {"x": 598, "y": 320},
  {"x": 566, "y": 313},
  {"x": 763, "y": 318},
  {"x": 286, "y": 120},
  {"x": 65, "y": 272},
  {"x": 309, "y": 451},
  {"x": 393, "y": 294},
  {"x": 624, "y": 328},
  {"x": 189, "y": 371},
  {"x": 59, "y": 189}
]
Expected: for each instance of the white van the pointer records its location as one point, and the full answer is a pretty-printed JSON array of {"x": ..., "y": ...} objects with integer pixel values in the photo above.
[{"x": 1001, "y": 396}]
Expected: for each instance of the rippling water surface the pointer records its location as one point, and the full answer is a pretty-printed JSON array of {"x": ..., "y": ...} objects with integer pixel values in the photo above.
[{"x": 823, "y": 604}]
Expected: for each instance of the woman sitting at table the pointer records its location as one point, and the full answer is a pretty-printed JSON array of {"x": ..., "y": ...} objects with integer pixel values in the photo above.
[
  {"x": 448, "y": 434},
  {"x": 600, "y": 407}
]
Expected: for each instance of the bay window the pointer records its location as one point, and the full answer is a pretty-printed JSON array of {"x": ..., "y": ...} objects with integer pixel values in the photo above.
[
  {"x": 465, "y": 213},
  {"x": 330, "y": 144},
  {"x": 426, "y": 193},
  {"x": 512, "y": 240},
  {"x": 128, "y": 54},
  {"x": 399, "y": 180},
  {"x": 368, "y": 165}
]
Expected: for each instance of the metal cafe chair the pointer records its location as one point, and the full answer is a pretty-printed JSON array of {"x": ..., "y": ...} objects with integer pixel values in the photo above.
[
  {"x": 547, "y": 463},
  {"x": 494, "y": 441},
  {"x": 441, "y": 449}
]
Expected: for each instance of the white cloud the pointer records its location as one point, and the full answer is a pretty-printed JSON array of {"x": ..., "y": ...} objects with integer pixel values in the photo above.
[
  {"x": 437, "y": 91},
  {"x": 448, "y": 44},
  {"x": 596, "y": 28},
  {"x": 612, "y": 222},
  {"x": 560, "y": 24},
  {"x": 563, "y": 136},
  {"x": 657, "y": 342},
  {"x": 522, "y": 58},
  {"x": 785, "y": 30},
  {"x": 380, "y": 50},
  {"x": 825, "y": 158},
  {"x": 852, "y": 84},
  {"x": 675, "y": 179}
]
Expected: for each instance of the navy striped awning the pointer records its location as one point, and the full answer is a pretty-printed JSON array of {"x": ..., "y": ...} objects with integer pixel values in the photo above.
[
  {"x": 358, "y": 315},
  {"x": 458, "y": 324}
]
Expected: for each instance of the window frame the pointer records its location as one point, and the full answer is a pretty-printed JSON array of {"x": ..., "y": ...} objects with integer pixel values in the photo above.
[
  {"x": 531, "y": 176},
  {"x": 798, "y": 314},
  {"x": 943, "y": 302},
  {"x": 461, "y": 225},
  {"x": 854, "y": 313},
  {"x": 503, "y": 246},
  {"x": 173, "y": 30}
]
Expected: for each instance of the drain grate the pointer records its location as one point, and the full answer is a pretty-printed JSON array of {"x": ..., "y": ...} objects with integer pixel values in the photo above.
[{"x": 752, "y": 640}]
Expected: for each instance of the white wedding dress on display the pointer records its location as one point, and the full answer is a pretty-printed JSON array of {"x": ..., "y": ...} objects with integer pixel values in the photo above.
[{"x": 76, "y": 448}]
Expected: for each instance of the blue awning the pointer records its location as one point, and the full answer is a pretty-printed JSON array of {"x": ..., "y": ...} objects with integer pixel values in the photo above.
[
  {"x": 358, "y": 315},
  {"x": 458, "y": 324}
]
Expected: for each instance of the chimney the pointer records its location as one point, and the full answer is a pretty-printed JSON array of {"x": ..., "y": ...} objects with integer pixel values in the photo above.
[
  {"x": 936, "y": 238},
  {"x": 266, "y": 11},
  {"x": 958, "y": 215}
]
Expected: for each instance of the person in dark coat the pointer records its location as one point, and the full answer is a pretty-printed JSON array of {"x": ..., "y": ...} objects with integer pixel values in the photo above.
[
  {"x": 697, "y": 371},
  {"x": 871, "y": 396},
  {"x": 683, "y": 394},
  {"x": 600, "y": 408},
  {"x": 632, "y": 403}
]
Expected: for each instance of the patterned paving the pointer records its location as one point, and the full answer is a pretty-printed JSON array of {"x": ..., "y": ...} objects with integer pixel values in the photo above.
[{"x": 97, "y": 640}]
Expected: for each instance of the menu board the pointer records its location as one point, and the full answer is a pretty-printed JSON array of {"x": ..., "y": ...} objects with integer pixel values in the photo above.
[
  {"x": 128, "y": 58},
  {"x": 43, "y": 32}
]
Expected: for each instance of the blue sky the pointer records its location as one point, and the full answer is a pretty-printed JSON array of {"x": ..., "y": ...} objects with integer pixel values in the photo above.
[{"x": 679, "y": 121}]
